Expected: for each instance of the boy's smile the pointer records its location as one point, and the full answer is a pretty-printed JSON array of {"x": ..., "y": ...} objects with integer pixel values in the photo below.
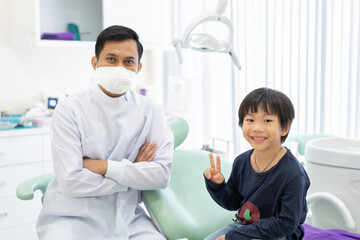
[{"x": 258, "y": 139}]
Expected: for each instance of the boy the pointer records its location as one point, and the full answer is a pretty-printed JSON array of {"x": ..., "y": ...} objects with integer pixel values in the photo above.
[{"x": 267, "y": 184}]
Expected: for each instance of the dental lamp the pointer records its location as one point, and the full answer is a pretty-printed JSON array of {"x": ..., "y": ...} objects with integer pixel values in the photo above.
[{"x": 205, "y": 42}]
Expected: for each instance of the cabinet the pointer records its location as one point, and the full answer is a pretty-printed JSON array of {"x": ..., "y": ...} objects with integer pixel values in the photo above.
[
  {"x": 24, "y": 153},
  {"x": 31, "y": 18},
  {"x": 152, "y": 20}
]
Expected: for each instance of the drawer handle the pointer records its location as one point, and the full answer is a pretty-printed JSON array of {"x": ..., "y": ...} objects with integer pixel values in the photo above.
[
  {"x": 3, "y": 214},
  {"x": 2, "y": 151},
  {"x": 2, "y": 182}
]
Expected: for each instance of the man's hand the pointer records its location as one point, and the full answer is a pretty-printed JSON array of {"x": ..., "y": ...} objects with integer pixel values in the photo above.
[
  {"x": 221, "y": 237},
  {"x": 214, "y": 173},
  {"x": 95, "y": 165},
  {"x": 146, "y": 152}
]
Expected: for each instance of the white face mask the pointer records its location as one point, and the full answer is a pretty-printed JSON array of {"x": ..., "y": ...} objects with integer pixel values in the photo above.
[{"x": 115, "y": 79}]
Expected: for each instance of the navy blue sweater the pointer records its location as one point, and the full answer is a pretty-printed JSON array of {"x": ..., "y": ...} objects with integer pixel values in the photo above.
[{"x": 270, "y": 204}]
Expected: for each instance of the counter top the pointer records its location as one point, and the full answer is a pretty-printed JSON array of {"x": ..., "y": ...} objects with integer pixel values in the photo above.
[{"x": 23, "y": 131}]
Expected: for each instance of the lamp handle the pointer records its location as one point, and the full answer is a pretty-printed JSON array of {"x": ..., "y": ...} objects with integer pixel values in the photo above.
[
  {"x": 235, "y": 58},
  {"x": 177, "y": 45}
]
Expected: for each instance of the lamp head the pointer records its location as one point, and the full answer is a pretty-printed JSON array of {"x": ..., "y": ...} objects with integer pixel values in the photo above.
[{"x": 206, "y": 43}]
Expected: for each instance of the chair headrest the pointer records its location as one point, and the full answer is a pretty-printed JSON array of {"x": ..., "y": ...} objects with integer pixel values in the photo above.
[{"x": 180, "y": 129}]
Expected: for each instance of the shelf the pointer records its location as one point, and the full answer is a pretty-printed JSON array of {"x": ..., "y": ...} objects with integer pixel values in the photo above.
[{"x": 64, "y": 43}]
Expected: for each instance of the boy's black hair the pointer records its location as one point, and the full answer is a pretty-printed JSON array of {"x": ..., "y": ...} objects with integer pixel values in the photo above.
[
  {"x": 117, "y": 33},
  {"x": 272, "y": 102}
]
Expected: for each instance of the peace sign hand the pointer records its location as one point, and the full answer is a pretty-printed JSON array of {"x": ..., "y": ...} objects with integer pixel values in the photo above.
[{"x": 214, "y": 173}]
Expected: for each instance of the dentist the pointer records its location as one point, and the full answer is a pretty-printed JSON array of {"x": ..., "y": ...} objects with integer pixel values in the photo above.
[{"x": 108, "y": 143}]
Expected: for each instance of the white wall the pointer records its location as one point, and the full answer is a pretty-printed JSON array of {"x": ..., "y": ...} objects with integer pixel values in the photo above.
[{"x": 27, "y": 73}]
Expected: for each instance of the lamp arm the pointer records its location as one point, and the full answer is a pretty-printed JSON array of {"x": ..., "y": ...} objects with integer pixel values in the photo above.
[{"x": 221, "y": 6}]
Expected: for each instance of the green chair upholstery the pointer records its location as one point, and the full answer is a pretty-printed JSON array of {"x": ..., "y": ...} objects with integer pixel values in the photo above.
[
  {"x": 26, "y": 189},
  {"x": 180, "y": 129},
  {"x": 184, "y": 209}
]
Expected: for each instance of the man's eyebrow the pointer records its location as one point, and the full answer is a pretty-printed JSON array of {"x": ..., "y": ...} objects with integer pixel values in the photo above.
[
  {"x": 111, "y": 54},
  {"x": 130, "y": 57}
]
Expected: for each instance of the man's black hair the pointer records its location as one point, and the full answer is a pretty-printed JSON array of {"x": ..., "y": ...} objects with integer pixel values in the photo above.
[
  {"x": 117, "y": 33},
  {"x": 272, "y": 102}
]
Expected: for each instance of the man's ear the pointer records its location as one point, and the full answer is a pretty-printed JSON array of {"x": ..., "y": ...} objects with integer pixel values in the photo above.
[
  {"x": 139, "y": 67},
  {"x": 93, "y": 62},
  {"x": 285, "y": 130}
]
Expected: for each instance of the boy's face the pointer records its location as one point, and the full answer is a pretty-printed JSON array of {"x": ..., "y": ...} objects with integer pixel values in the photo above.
[{"x": 263, "y": 131}]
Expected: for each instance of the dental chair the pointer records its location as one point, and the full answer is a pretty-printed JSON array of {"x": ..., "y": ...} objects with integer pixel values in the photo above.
[{"x": 184, "y": 209}]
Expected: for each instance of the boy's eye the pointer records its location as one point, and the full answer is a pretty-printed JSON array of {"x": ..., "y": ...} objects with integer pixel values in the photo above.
[
  {"x": 249, "y": 120},
  {"x": 268, "y": 120}
]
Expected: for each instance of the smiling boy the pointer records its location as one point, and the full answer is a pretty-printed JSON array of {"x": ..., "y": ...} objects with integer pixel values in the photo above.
[{"x": 267, "y": 185}]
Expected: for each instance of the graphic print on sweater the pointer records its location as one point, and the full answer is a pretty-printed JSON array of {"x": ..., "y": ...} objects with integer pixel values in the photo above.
[{"x": 249, "y": 213}]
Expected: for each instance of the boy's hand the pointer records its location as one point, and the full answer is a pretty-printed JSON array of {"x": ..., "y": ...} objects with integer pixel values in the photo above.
[
  {"x": 214, "y": 173},
  {"x": 146, "y": 152}
]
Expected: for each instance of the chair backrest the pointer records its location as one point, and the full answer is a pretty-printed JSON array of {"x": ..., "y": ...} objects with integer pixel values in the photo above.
[
  {"x": 185, "y": 209},
  {"x": 180, "y": 129}
]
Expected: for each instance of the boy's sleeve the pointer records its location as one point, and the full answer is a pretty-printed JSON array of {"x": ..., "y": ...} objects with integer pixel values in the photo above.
[
  {"x": 293, "y": 203},
  {"x": 225, "y": 194}
]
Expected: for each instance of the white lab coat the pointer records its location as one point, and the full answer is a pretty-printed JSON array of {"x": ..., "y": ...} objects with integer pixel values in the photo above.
[{"x": 80, "y": 204}]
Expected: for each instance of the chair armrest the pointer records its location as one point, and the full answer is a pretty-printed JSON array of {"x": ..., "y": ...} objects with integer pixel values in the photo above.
[{"x": 25, "y": 191}]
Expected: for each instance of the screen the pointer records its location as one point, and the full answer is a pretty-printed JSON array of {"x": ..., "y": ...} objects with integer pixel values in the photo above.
[{"x": 52, "y": 102}]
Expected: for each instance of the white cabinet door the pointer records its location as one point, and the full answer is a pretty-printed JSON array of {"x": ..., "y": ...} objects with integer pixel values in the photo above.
[
  {"x": 23, "y": 22},
  {"x": 150, "y": 19},
  {"x": 11, "y": 177},
  {"x": 22, "y": 149},
  {"x": 15, "y": 212}
]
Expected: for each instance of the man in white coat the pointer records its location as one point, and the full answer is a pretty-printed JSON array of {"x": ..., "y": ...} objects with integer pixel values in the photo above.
[{"x": 108, "y": 144}]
